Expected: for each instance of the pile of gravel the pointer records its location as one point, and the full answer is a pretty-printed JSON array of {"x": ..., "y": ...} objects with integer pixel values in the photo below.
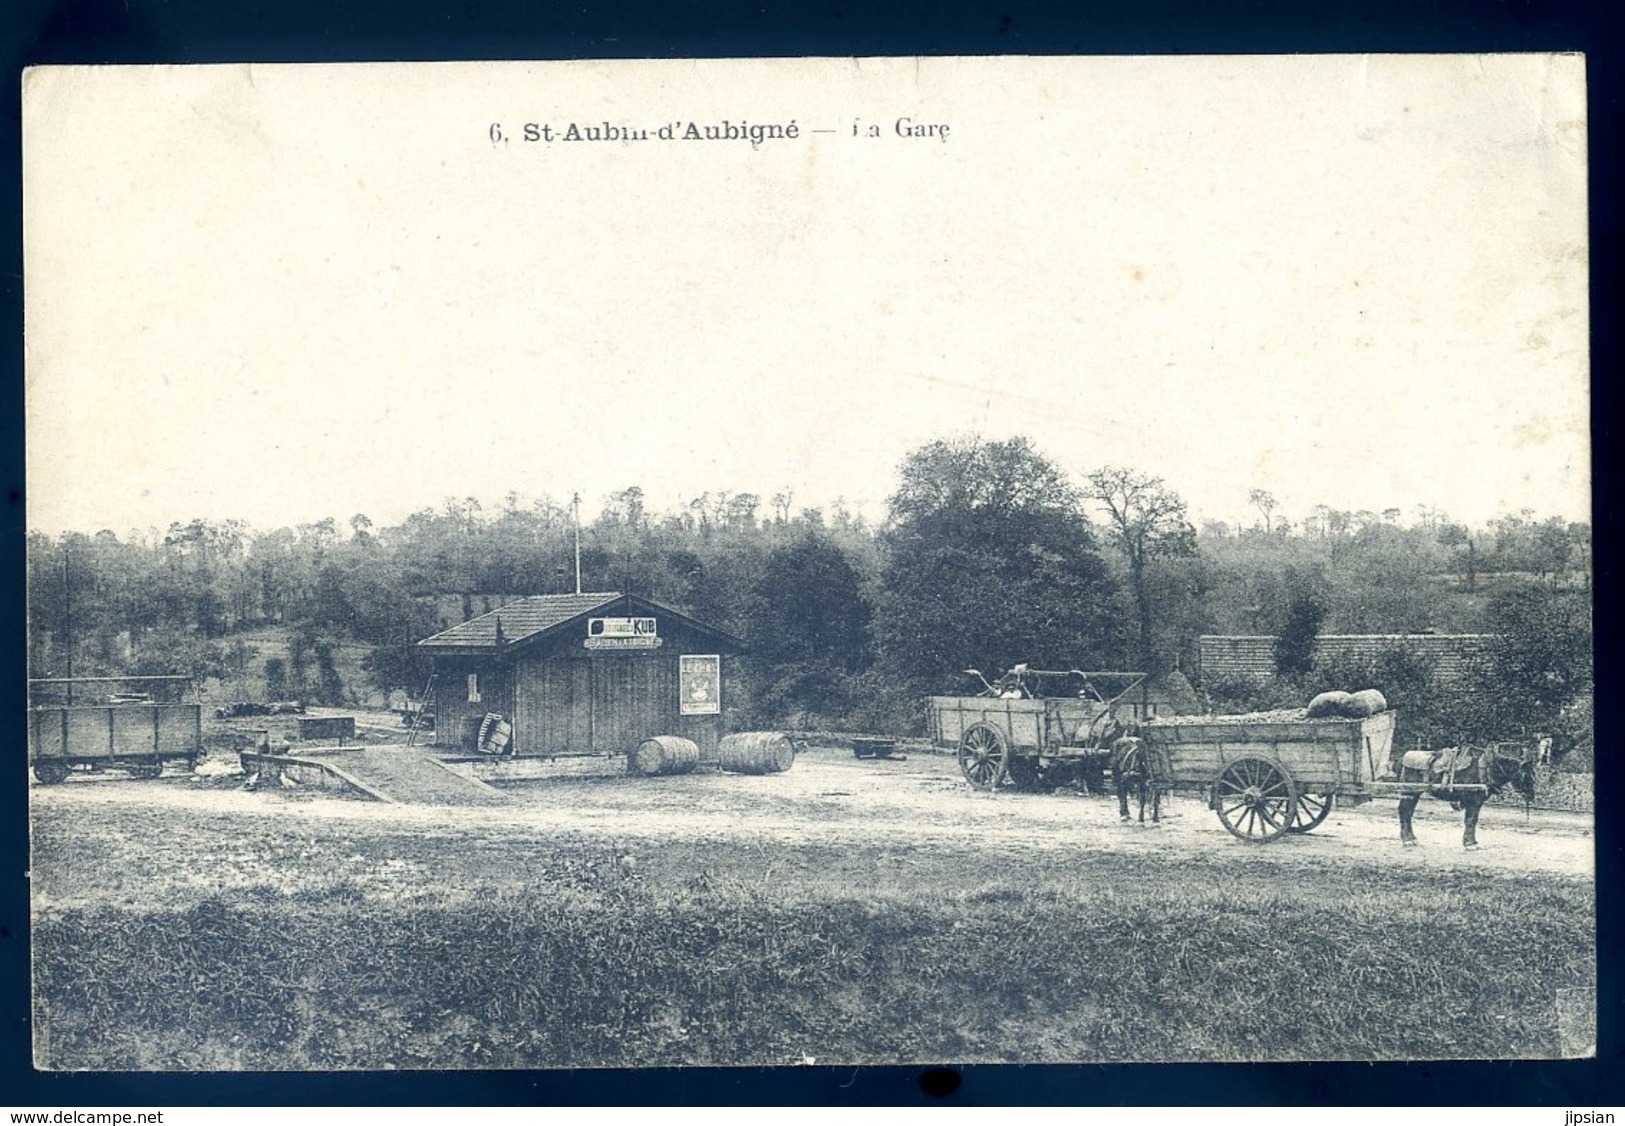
[{"x": 1276, "y": 715}]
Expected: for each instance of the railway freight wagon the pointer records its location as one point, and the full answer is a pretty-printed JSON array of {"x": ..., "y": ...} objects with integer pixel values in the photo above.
[
  {"x": 564, "y": 675},
  {"x": 124, "y": 723}
]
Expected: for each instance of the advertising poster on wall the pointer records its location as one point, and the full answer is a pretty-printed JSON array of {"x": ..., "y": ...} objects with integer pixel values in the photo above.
[{"x": 700, "y": 684}]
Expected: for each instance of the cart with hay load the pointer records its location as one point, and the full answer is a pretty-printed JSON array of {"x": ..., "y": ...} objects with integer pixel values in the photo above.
[
  {"x": 1032, "y": 727},
  {"x": 135, "y": 724},
  {"x": 1271, "y": 773}
]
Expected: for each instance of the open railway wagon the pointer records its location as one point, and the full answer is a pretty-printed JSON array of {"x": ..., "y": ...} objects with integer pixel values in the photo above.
[
  {"x": 132, "y": 723},
  {"x": 1031, "y": 727},
  {"x": 1267, "y": 776}
]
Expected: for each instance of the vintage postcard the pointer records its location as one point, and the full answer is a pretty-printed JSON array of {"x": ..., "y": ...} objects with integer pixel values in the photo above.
[{"x": 809, "y": 561}]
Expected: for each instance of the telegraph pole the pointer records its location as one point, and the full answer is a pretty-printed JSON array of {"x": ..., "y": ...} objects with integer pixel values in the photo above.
[
  {"x": 67, "y": 617},
  {"x": 575, "y": 505}
]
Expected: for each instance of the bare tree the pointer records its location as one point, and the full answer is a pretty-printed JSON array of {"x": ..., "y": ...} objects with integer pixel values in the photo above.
[
  {"x": 1264, "y": 501},
  {"x": 1320, "y": 520},
  {"x": 781, "y": 505},
  {"x": 1148, "y": 521}
]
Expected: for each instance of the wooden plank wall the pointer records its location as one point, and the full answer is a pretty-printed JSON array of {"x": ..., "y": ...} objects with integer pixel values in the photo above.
[
  {"x": 452, "y": 707},
  {"x": 605, "y": 704}
]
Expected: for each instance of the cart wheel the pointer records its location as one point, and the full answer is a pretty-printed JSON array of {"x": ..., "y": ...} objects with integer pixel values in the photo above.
[
  {"x": 1312, "y": 810},
  {"x": 147, "y": 769},
  {"x": 51, "y": 771},
  {"x": 983, "y": 756},
  {"x": 1255, "y": 799}
]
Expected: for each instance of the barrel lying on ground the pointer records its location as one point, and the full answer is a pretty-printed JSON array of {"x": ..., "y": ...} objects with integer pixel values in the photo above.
[
  {"x": 756, "y": 752},
  {"x": 664, "y": 754}
]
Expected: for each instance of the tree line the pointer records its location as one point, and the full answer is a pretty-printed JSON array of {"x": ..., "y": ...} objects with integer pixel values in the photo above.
[{"x": 989, "y": 554}]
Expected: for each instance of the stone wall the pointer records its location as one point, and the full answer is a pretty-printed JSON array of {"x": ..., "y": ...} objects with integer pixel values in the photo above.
[{"x": 1253, "y": 656}]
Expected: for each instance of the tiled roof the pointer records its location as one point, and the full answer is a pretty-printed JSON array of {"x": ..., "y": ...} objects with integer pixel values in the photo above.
[{"x": 521, "y": 619}]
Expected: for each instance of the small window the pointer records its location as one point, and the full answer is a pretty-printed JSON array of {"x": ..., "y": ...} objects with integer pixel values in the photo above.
[{"x": 473, "y": 688}]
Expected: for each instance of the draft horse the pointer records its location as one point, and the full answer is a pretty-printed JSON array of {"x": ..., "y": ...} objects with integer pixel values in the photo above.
[
  {"x": 1132, "y": 772},
  {"x": 1466, "y": 777}
]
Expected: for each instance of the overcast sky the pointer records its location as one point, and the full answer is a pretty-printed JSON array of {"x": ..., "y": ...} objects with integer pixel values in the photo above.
[{"x": 279, "y": 294}]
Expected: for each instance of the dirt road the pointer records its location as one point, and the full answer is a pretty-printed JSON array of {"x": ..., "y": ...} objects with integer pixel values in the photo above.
[
  {"x": 597, "y": 919},
  {"x": 831, "y": 799}
]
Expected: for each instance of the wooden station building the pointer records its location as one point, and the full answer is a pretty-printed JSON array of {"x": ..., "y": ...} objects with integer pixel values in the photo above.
[{"x": 580, "y": 674}]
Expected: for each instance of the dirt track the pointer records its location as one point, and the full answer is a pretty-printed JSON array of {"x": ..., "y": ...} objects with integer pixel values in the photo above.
[{"x": 832, "y": 799}]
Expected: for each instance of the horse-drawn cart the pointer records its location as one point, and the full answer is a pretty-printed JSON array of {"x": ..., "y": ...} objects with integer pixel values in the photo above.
[
  {"x": 1032, "y": 727},
  {"x": 1268, "y": 776},
  {"x": 1265, "y": 774}
]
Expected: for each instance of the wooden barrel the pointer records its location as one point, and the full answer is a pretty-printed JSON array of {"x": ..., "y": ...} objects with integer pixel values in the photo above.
[
  {"x": 756, "y": 752},
  {"x": 664, "y": 754}
]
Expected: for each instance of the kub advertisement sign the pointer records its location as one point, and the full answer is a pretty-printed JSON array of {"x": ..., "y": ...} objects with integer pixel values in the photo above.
[{"x": 622, "y": 633}]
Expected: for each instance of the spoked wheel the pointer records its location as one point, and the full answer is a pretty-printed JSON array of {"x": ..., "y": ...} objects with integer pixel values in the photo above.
[
  {"x": 147, "y": 769},
  {"x": 1255, "y": 799},
  {"x": 984, "y": 756},
  {"x": 51, "y": 771},
  {"x": 1312, "y": 810}
]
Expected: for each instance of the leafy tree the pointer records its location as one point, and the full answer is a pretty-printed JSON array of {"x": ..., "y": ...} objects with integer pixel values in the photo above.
[
  {"x": 1295, "y": 643},
  {"x": 1538, "y": 667},
  {"x": 329, "y": 685},
  {"x": 990, "y": 561},
  {"x": 625, "y": 508},
  {"x": 739, "y": 513},
  {"x": 809, "y": 627},
  {"x": 276, "y": 679},
  {"x": 1147, "y": 522},
  {"x": 391, "y": 667},
  {"x": 1458, "y": 536}
]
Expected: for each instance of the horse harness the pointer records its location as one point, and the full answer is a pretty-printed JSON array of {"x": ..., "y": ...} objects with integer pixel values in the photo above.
[{"x": 1445, "y": 769}]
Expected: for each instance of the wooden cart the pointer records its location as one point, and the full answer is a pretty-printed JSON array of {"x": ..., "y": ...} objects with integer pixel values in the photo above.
[
  {"x": 84, "y": 722},
  {"x": 1031, "y": 727},
  {"x": 1268, "y": 778}
]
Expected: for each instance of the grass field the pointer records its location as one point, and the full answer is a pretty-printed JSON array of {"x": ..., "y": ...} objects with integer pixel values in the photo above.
[{"x": 213, "y": 943}]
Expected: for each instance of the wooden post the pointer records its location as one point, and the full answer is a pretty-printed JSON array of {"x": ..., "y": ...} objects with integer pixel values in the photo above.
[
  {"x": 67, "y": 618},
  {"x": 575, "y": 506}
]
